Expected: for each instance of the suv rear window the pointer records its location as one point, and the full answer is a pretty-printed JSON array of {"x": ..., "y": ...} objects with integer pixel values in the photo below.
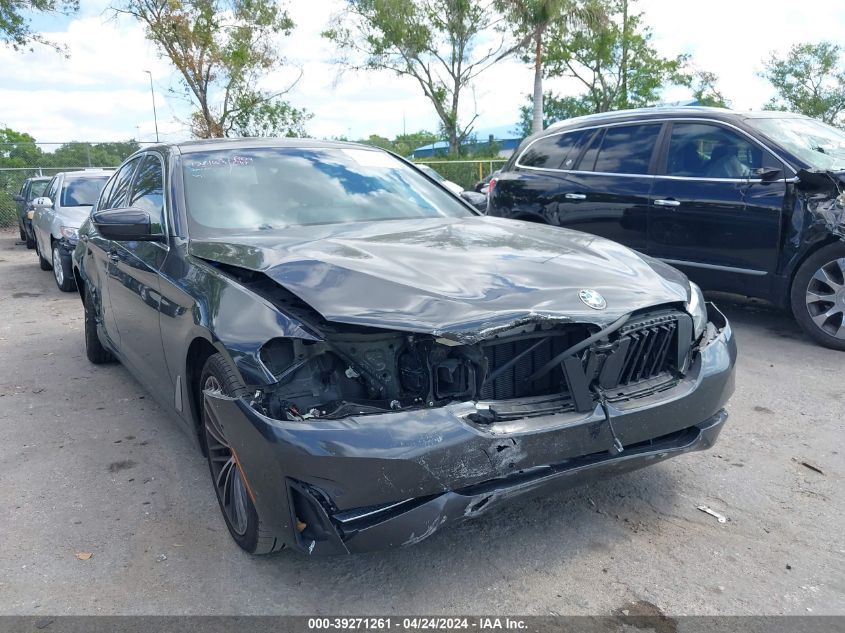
[
  {"x": 552, "y": 152},
  {"x": 623, "y": 149}
]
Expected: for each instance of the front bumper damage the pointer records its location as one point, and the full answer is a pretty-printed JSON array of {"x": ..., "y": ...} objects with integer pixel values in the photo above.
[{"x": 362, "y": 483}]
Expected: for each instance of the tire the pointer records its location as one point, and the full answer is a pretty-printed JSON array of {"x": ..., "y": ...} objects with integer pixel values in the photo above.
[
  {"x": 233, "y": 496},
  {"x": 45, "y": 265},
  {"x": 818, "y": 296},
  {"x": 62, "y": 272},
  {"x": 94, "y": 350},
  {"x": 22, "y": 232},
  {"x": 30, "y": 243}
]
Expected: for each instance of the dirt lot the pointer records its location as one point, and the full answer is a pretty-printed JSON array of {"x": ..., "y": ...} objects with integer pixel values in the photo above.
[{"x": 89, "y": 463}]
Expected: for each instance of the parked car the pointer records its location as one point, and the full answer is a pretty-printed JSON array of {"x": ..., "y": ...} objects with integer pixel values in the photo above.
[
  {"x": 431, "y": 173},
  {"x": 30, "y": 189},
  {"x": 743, "y": 202},
  {"x": 57, "y": 217},
  {"x": 364, "y": 359},
  {"x": 483, "y": 185},
  {"x": 477, "y": 200}
]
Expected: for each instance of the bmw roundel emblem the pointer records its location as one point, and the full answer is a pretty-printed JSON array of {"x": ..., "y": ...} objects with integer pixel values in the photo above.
[{"x": 593, "y": 299}]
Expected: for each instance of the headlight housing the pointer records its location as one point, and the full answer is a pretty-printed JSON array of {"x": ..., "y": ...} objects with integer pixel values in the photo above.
[
  {"x": 70, "y": 233},
  {"x": 697, "y": 310},
  {"x": 30, "y": 214}
]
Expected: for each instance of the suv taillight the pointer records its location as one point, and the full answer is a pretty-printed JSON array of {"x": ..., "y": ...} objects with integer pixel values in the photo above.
[{"x": 491, "y": 187}]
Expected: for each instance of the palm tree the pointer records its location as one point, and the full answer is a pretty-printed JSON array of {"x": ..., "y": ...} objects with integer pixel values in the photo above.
[{"x": 530, "y": 19}]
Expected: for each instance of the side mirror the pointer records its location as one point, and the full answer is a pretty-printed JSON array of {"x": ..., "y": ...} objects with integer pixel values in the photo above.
[
  {"x": 42, "y": 203},
  {"x": 18, "y": 197},
  {"x": 125, "y": 225},
  {"x": 768, "y": 174}
]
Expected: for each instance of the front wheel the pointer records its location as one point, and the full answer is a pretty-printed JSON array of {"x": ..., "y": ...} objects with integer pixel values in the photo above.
[
  {"x": 818, "y": 296},
  {"x": 233, "y": 493},
  {"x": 61, "y": 270},
  {"x": 94, "y": 349}
]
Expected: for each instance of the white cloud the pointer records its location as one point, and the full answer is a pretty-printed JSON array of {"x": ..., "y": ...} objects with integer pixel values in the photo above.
[{"x": 102, "y": 93}]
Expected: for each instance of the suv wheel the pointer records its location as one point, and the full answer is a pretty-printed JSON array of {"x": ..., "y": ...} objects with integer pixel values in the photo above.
[
  {"x": 232, "y": 488},
  {"x": 818, "y": 296},
  {"x": 61, "y": 270}
]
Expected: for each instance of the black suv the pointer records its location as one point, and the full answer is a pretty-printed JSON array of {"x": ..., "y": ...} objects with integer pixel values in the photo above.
[{"x": 744, "y": 202}]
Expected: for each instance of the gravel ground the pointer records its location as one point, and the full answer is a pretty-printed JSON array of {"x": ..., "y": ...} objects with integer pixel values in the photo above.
[{"x": 89, "y": 463}]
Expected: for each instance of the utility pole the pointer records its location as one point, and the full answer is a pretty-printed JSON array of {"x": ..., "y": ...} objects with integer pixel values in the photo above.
[{"x": 153, "y": 95}]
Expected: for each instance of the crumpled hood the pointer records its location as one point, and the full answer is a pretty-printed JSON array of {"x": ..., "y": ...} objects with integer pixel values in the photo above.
[{"x": 454, "y": 277}]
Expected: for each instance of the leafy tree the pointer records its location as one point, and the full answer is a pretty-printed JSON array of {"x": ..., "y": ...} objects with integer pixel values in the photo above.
[
  {"x": 810, "y": 80},
  {"x": 221, "y": 48},
  {"x": 257, "y": 116},
  {"x": 555, "y": 108},
  {"x": 18, "y": 149},
  {"x": 379, "y": 141},
  {"x": 90, "y": 154},
  {"x": 404, "y": 144},
  {"x": 704, "y": 90},
  {"x": 530, "y": 20},
  {"x": 614, "y": 59},
  {"x": 15, "y": 30},
  {"x": 442, "y": 44}
]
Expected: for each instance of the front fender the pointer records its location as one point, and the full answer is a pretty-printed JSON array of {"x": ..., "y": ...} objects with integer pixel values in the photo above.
[{"x": 199, "y": 301}]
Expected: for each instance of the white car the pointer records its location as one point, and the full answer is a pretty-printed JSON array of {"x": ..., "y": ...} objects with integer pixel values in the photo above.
[
  {"x": 451, "y": 186},
  {"x": 58, "y": 214}
]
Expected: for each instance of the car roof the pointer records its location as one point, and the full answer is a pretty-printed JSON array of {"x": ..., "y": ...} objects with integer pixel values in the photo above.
[
  {"x": 664, "y": 112},
  {"x": 204, "y": 145},
  {"x": 86, "y": 173}
]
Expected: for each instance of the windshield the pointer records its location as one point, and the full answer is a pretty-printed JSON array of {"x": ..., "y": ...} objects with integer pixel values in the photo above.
[
  {"x": 271, "y": 188},
  {"x": 82, "y": 192},
  {"x": 36, "y": 189},
  {"x": 819, "y": 145}
]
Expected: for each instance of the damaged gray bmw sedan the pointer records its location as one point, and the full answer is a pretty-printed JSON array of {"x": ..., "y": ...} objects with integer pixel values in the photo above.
[{"x": 364, "y": 358}]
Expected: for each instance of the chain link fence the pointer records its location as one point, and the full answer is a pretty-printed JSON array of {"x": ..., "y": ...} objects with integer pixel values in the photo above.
[
  {"x": 11, "y": 181},
  {"x": 466, "y": 173},
  {"x": 20, "y": 158}
]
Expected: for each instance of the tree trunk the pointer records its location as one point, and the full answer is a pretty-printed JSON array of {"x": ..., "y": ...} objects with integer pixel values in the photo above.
[
  {"x": 537, "y": 119},
  {"x": 454, "y": 145},
  {"x": 623, "y": 92}
]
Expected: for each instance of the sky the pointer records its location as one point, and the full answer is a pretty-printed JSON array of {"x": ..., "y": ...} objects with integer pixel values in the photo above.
[{"x": 101, "y": 92}]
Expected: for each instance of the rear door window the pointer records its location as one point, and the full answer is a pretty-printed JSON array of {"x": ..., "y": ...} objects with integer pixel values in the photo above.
[
  {"x": 622, "y": 149},
  {"x": 552, "y": 152}
]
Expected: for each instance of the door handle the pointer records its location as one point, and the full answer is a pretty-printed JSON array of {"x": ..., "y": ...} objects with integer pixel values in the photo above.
[
  {"x": 667, "y": 203},
  {"x": 575, "y": 196}
]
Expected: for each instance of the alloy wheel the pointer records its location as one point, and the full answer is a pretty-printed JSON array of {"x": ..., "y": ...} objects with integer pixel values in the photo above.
[
  {"x": 825, "y": 298},
  {"x": 225, "y": 469},
  {"x": 58, "y": 269}
]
